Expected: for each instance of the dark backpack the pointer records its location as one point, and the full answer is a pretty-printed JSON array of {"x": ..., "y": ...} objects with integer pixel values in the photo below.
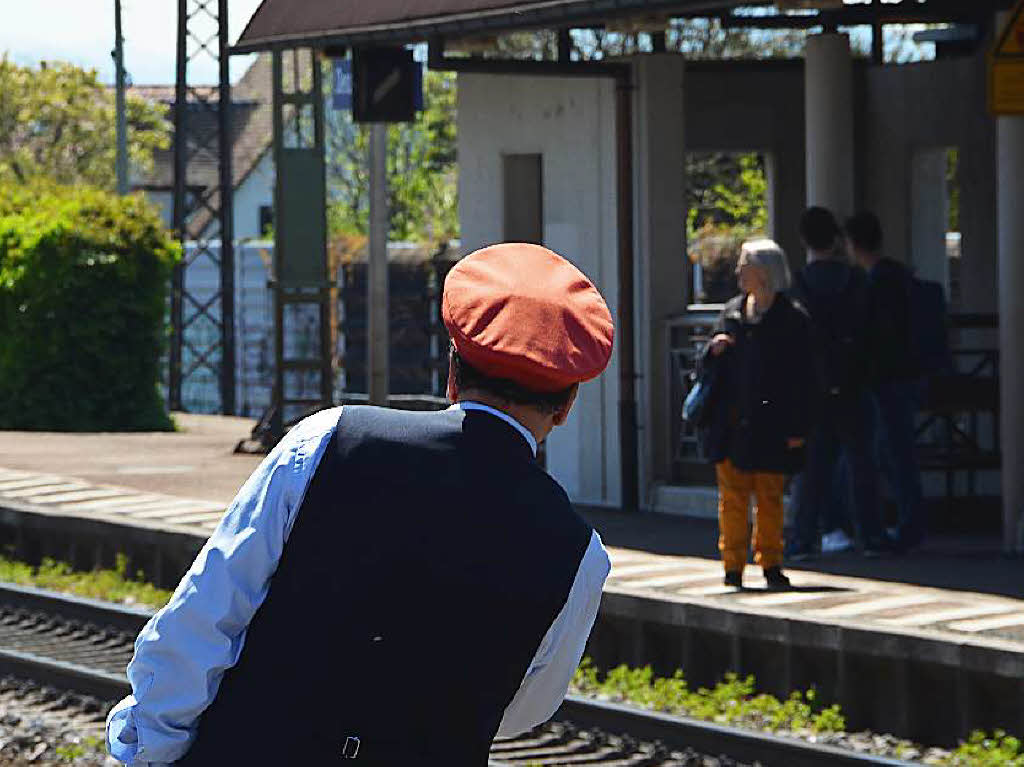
[
  {"x": 929, "y": 332},
  {"x": 837, "y": 319}
]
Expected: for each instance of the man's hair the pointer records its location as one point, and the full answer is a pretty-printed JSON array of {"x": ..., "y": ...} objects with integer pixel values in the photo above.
[
  {"x": 468, "y": 377},
  {"x": 865, "y": 231},
  {"x": 819, "y": 229}
]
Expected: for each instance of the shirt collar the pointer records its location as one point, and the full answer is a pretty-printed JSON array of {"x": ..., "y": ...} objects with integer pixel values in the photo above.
[{"x": 527, "y": 434}]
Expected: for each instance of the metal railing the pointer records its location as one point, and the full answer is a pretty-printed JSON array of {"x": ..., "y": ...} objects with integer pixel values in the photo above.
[{"x": 686, "y": 336}]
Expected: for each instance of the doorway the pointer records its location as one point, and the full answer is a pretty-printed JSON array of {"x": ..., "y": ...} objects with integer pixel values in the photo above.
[{"x": 727, "y": 204}]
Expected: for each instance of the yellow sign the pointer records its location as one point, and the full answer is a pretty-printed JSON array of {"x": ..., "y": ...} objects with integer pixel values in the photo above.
[{"x": 1006, "y": 67}]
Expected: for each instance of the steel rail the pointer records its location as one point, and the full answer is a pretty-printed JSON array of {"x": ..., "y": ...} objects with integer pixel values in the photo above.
[
  {"x": 679, "y": 733},
  {"x": 79, "y": 675}
]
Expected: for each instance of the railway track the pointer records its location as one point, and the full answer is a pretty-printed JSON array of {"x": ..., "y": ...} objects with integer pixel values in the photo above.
[{"x": 82, "y": 645}]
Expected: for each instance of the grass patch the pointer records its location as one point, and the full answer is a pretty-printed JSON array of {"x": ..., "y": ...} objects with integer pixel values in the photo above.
[
  {"x": 109, "y": 585},
  {"x": 984, "y": 750},
  {"x": 75, "y": 749},
  {"x": 733, "y": 701}
]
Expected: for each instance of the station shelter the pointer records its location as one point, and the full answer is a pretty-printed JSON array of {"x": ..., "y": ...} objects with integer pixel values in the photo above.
[{"x": 589, "y": 158}]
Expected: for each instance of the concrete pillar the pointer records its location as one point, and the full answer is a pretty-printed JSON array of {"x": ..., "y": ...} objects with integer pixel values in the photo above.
[
  {"x": 660, "y": 250},
  {"x": 829, "y": 115},
  {"x": 1010, "y": 170}
]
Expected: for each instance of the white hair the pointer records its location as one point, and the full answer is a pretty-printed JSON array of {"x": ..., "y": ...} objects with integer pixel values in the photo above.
[{"x": 769, "y": 256}]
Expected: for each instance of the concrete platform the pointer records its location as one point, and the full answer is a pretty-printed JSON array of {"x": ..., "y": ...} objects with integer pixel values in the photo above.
[{"x": 902, "y": 651}]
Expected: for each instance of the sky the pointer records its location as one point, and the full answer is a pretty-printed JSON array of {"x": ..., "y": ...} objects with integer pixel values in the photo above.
[{"x": 82, "y": 32}]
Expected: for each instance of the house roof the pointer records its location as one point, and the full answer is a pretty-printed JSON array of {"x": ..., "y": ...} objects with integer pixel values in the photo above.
[
  {"x": 252, "y": 134},
  {"x": 283, "y": 23},
  {"x": 321, "y": 23}
]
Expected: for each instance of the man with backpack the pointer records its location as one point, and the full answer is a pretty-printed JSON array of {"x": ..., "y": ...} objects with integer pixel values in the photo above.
[
  {"x": 834, "y": 293},
  {"x": 906, "y": 333}
]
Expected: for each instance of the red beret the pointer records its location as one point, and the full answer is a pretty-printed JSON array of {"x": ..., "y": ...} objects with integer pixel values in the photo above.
[{"x": 521, "y": 312}]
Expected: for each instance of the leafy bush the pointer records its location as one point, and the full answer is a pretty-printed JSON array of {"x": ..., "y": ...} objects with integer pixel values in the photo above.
[{"x": 83, "y": 278}]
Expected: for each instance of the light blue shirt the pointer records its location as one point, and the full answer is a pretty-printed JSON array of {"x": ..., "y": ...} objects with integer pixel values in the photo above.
[{"x": 185, "y": 648}]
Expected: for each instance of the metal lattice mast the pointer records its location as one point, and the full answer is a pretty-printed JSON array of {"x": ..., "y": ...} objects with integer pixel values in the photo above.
[{"x": 203, "y": 215}]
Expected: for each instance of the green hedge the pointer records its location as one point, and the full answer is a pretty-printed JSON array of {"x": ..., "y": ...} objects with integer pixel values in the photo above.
[{"x": 83, "y": 280}]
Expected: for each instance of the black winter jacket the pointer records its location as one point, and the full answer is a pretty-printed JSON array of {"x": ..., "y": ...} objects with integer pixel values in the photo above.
[
  {"x": 889, "y": 321},
  {"x": 766, "y": 388}
]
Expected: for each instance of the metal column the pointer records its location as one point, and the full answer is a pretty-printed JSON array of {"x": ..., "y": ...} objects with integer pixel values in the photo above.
[
  {"x": 203, "y": 207},
  {"x": 378, "y": 331},
  {"x": 302, "y": 286}
]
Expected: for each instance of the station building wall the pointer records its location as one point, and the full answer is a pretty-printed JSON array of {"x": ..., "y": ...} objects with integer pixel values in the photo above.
[
  {"x": 756, "y": 106},
  {"x": 727, "y": 106},
  {"x": 571, "y": 124},
  {"x": 912, "y": 108}
]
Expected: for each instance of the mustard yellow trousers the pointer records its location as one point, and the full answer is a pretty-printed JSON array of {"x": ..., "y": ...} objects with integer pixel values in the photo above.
[{"x": 734, "y": 490}]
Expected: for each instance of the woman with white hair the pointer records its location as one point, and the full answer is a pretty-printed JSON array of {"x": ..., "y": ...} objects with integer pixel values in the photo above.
[{"x": 761, "y": 409}]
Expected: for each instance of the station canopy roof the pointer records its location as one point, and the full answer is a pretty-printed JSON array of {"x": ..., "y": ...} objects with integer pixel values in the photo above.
[{"x": 319, "y": 23}]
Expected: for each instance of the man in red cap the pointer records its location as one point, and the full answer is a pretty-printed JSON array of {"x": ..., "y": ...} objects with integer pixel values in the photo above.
[{"x": 394, "y": 587}]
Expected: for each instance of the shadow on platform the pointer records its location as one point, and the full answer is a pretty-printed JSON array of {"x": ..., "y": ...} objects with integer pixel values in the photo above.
[{"x": 960, "y": 562}]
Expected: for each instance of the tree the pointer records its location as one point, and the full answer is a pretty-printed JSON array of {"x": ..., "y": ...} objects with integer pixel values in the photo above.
[
  {"x": 421, "y": 170},
  {"x": 727, "y": 189},
  {"x": 57, "y": 124}
]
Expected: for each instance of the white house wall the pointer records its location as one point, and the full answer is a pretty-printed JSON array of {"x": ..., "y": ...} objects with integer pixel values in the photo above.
[
  {"x": 571, "y": 123},
  {"x": 255, "y": 192}
]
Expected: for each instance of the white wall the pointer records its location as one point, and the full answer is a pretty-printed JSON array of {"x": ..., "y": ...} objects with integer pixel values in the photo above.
[
  {"x": 571, "y": 123},
  {"x": 256, "y": 191}
]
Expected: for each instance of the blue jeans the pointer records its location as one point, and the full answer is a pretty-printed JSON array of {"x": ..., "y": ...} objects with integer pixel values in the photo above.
[
  {"x": 845, "y": 431},
  {"x": 895, "y": 408}
]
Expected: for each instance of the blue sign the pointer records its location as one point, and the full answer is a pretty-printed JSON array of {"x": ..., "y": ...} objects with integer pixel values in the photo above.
[{"x": 342, "y": 85}]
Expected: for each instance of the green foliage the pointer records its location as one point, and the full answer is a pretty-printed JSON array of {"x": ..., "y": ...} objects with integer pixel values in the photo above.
[
  {"x": 57, "y": 123},
  {"x": 727, "y": 189},
  {"x": 83, "y": 277},
  {"x": 71, "y": 751},
  {"x": 109, "y": 585},
  {"x": 732, "y": 701},
  {"x": 420, "y": 170},
  {"x": 984, "y": 750}
]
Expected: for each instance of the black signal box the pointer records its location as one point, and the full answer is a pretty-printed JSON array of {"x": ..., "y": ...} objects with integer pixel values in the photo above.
[{"x": 384, "y": 85}]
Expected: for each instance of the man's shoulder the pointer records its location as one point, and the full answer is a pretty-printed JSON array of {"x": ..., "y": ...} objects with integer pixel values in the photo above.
[{"x": 890, "y": 270}]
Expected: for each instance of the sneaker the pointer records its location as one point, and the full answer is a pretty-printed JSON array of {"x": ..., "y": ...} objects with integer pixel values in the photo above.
[
  {"x": 776, "y": 579},
  {"x": 798, "y": 552},
  {"x": 734, "y": 578},
  {"x": 835, "y": 542}
]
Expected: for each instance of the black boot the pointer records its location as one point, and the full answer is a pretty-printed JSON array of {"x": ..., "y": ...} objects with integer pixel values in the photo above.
[
  {"x": 776, "y": 579},
  {"x": 734, "y": 578}
]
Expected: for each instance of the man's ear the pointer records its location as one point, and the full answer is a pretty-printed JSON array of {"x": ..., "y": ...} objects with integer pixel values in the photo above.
[
  {"x": 563, "y": 412},
  {"x": 453, "y": 389}
]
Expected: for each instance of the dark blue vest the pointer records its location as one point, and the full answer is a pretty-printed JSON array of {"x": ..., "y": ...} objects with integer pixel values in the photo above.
[{"x": 428, "y": 560}]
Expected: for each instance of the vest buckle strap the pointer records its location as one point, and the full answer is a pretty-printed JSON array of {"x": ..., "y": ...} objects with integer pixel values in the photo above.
[{"x": 351, "y": 748}]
